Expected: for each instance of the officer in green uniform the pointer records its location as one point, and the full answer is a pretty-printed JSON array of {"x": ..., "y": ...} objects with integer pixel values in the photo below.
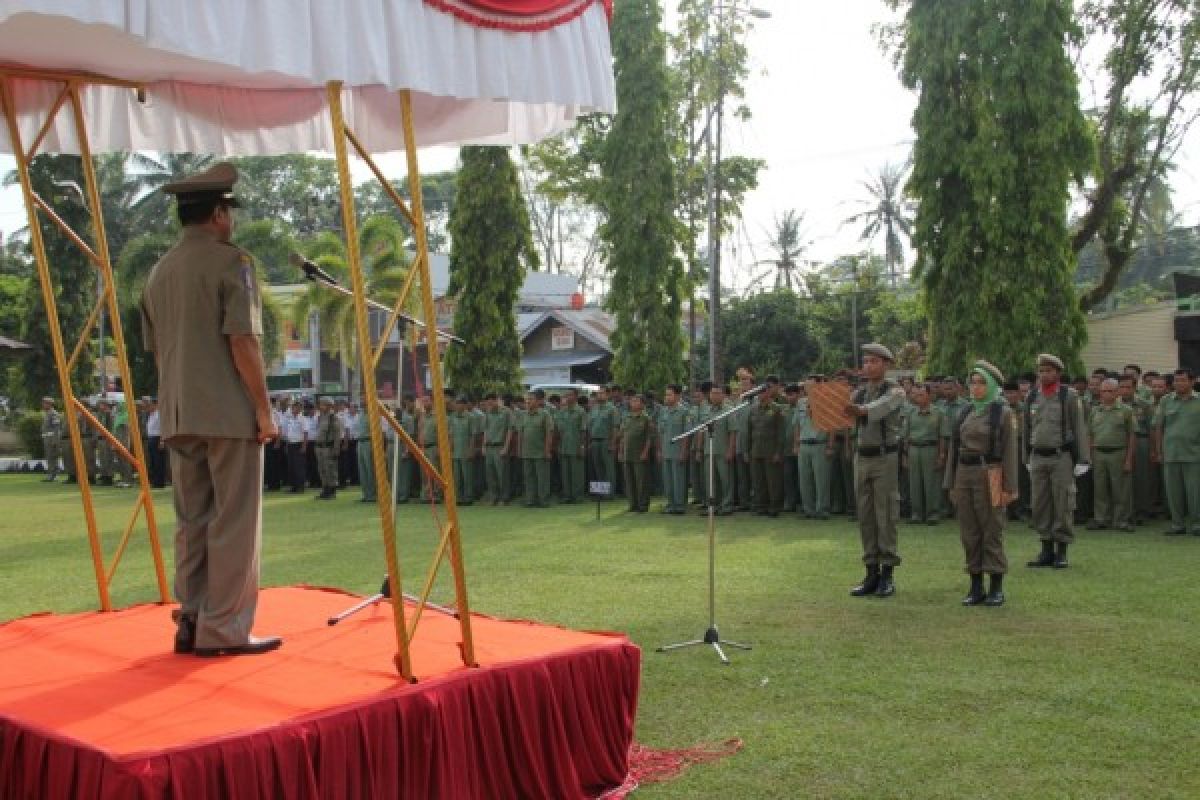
[
  {"x": 120, "y": 430},
  {"x": 406, "y": 480},
  {"x": 104, "y": 451},
  {"x": 791, "y": 485},
  {"x": 950, "y": 404},
  {"x": 462, "y": 428},
  {"x": 1055, "y": 431},
  {"x": 698, "y": 414},
  {"x": 674, "y": 456},
  {"x": 876, "y": 407},
  {"x": 602, "y": 438},
  {"x": 52, "y": 430},
  {"x": 571, "y": 431},
  {"x": 744, "y": 483},
  {"x": 497, "y": 441},
  {"x": 1112, "y": 430},
  {"x": 764, "y": 427},
  {"x": 88, "y": 435},
  {"x": 327, "y": 442},
  {"x": 536, "y": 429},
  {"x": 202, "y": 318},
  {"x": 428, "y": 439},
  {"x": 636, "y": 442},
  {"x": 1177, "y": 448},
  {"x": 925, "y": 457},
  {"x": 1141, "y": 507},
  {"x": 723, "y": 447},
  {"x": 813, "y": 450},
  {"x": 358, "y": 436}
]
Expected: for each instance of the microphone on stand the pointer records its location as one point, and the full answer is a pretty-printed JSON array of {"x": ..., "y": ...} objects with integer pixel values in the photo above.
[
  {"x": 311, "y": 270},
  {"x": 755, "y": 392}
]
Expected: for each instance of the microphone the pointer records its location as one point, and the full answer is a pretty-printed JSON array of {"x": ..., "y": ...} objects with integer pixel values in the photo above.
[
  {"x": 311, "y": 270},
  {"x": 755, "y": 392}
]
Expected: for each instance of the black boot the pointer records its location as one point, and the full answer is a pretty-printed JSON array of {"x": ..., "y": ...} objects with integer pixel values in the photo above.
[
  {"x": 975, "y": 593},
  {"x": 1045, "y": 558},
  {"x": 869, "y": 584},
  {"x": 995, "y": 595},
  {"x": 1060, "y": 556},
  {"x": 887, "y": 586}
]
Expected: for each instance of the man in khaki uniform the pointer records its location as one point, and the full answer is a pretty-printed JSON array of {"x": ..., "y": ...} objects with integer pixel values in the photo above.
[
  {"x": 497, "y": 442},
  {"x": 202, "y": 318},
  {"x": 721, "y": 444},
  {"x": 813, "y": 454},
  {"x": 636, "y": 443},
  {"x": 1111, "y": 427},
  {"x": 764, "y": 427},
  {"x": 876, "y": 406},
  {"x": 463, "y": 446},
  {"x": 328, "y": 443},
  {"x": 1141, "y": 507},
  {"x": 1055, "y": 434}
]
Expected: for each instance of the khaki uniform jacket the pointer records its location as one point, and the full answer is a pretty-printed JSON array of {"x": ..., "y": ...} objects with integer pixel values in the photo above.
[{"x": 200, "y": 292}]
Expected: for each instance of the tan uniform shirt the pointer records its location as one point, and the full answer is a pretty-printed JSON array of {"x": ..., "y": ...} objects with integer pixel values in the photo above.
[{"x": 200, "y": 292}]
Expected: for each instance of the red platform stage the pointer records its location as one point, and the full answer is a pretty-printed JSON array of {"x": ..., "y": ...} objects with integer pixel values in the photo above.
[{"x": 95, "y": 706}]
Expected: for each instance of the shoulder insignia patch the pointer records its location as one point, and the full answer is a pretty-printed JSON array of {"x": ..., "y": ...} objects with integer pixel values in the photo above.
[{"x": 247, "y": 271}]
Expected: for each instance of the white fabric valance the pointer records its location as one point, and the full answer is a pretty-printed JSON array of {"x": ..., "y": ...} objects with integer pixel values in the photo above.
[{"x": 247, "y": 77}]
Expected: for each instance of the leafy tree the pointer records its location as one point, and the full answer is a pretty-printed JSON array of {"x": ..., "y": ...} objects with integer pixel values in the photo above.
[
  {"x": 491, "y": 248},
  {"x": 773, "y": 332},
  {"x": 889, "y": 213},
  {"x": 1000, "y": 138},
  {"x": 437, "y": 195},
  {"x": 640, "y": 232},
  {"x": 149, "y": 210},
  {"x": 271, "y": 242},
  {"x": 299, "y": 190},
  {"x": 1152, "y": 72},
  {"x": 786, "y": 241}
]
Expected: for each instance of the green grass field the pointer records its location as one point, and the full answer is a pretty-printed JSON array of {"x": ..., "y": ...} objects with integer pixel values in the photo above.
[{"x": 1083, "y": 686}]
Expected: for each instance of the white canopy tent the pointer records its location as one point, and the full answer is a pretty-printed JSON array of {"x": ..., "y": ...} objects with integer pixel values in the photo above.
[{"x": 265, "y": 77}]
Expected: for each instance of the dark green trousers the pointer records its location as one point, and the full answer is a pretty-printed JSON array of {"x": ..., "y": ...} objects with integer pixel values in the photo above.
[
  {"x": 537, "y": 481},
  {"x": 637, "y": 485}
]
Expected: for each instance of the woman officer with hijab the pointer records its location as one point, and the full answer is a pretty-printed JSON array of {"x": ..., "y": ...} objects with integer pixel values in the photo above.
[{"x": 982, "y": 462}]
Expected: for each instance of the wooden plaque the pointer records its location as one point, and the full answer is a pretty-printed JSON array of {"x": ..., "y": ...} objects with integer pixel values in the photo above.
[{"x": 826, "y": 404}]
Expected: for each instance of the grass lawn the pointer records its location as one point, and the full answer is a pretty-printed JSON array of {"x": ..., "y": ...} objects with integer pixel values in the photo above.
[{"x": 1084, "y": 686}]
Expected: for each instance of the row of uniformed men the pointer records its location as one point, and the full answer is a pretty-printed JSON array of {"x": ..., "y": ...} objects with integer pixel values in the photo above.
[{"x": 104, "y": 466}]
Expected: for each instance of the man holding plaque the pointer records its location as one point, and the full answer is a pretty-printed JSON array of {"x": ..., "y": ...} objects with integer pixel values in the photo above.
[{"x": 876, "y": 407}]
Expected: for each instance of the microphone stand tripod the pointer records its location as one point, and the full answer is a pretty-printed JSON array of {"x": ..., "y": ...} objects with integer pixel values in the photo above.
[
  {"x": 711, "y": 635},
  {"x": 314, "y": 274}
]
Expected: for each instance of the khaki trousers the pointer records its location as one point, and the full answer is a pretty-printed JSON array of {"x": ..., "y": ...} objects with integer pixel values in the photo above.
[
  {"x": 1052, "y": 486},
  {"x": 1114, "y": 488},
  {"x": 980, "y": 525},
  {"x": 218, "y": 532},
  {"x": 876, "y": 490},
  {"x": 924, "y": 484}
]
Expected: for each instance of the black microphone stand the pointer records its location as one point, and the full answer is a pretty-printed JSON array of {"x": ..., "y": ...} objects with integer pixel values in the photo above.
[{"x": 711, "y": 635}]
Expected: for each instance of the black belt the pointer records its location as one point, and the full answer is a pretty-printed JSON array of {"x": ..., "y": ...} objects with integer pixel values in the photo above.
[
  {"x": 975, "y": 460},
  {"x": 923, "y": 444},
  {"x": 874, "y": 452},
  {"x": 1111, "y": 449},
  {"x": 495, "y": 444},
  {"x": 812, "y": 441},
  {"x": 323, "y": 445},
  {"x": 1142, "y": 435},
  {"x": 1050, "y": 451},
  {"x": 599, "y": 438}
]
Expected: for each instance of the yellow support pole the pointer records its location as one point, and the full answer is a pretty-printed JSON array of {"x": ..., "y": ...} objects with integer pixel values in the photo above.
[
  {"x": 60, "y": 358},
  {"x": 383, "y": 492},
  {"x": 114, "y": 315},
  {"x": 435, "y": 371}
]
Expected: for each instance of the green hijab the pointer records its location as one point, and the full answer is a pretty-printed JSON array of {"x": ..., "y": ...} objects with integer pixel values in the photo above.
[{"x": 993, "y": 389}]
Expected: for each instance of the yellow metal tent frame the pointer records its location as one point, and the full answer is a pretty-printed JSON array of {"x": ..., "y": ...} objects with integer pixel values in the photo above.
[{"x": 449, "y": 542}]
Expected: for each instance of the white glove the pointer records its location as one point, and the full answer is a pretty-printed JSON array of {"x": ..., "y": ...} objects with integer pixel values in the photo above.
[
  {"x": 1028, "y": 467},
  {"x": 1081, "y": 470}
]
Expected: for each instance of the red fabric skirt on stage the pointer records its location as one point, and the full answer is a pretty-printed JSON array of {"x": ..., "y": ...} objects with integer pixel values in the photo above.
[{"x": 95, "y": 706}]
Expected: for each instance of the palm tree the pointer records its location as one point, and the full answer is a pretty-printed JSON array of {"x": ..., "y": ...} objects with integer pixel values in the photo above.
[
  {"x": 385, "y": 263},
  {"x": 786, "y": 242},
  {"x": 887, "y": 212}
]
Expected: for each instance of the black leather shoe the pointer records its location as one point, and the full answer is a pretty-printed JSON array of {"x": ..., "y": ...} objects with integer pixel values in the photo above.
[
  {"x": 975, "y": 594},
  {"x": 253, "y": 646},
  {"x": 887, "y": 587},
  {"x": 1044, "y": 558},
  {"x": 1060, "y": 556},
  {"x": 995, "y": 595},
  {"x": 185, "y": 635},
  {"x": 869, "y": 584}
]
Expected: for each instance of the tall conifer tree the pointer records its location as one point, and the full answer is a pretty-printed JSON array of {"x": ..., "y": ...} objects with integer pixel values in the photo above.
[
  {"x": 491, "y": 247},
  {"x": 638, "y": 199},
  {"x": 1000, "y": 138}
]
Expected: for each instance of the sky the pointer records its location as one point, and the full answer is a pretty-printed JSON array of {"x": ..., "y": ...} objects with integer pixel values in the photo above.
[{"x": 828, "y": 112}]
